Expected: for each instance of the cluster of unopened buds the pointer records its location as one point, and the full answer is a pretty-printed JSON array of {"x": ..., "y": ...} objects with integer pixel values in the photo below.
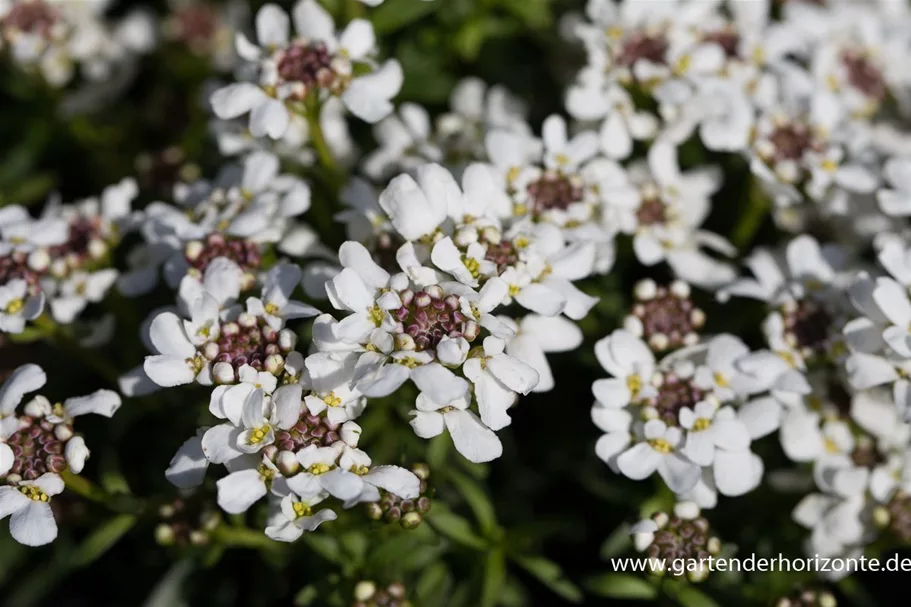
[
  {"x": 680, "y": 543},
  {"x": 368, "y": 594}
]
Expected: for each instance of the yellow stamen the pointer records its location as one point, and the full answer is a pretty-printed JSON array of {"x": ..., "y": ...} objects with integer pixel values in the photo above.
[
  {"x": 302, "y": 509},
  {"x": 34, "y": 493},
  {"x": 703, "y": 423},
  {"x": 332, "y": 400},
  {"x": 661, "y": 445}
]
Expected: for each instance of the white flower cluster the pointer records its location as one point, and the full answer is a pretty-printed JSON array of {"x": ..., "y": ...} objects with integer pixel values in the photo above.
[
  {"x": 53, "y": 37},
  {"x": 63, "y": 258},
  {"x": 37, "y": 446}
]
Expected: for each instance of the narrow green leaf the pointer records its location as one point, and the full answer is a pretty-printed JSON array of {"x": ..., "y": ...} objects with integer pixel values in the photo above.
[
  {"x": 689, "y": 596},
  {"x": 477, "y": 500},
  {"x": 103, "y": 538},
  {"x": 393, "y": 15},
  {"x": 433, "y": 585},
  {"x": 494, "y": 577},
  {"x": 549, "y": 573},
  {"x": 169, "y": 591},
  {"x": 621, "y": 586},
  {"x": 455, "y": 528},
  {"x": 326, "y": 546},
  {"x": 617, "y": 542},
  {"x": 306, "y": 596}
]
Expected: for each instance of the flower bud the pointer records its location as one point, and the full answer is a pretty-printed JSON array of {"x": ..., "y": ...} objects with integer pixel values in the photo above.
[
  {"x": 364, "y": 591},
  {"x": 350, "y": 433},
  {"x": 76, "y": 453},
  {"x": 63, "y": 432},
  {"x": 404, "y": 342},
  {"x": 421, "y": 470},
  {"x": 38, "y": 407},
  {"x": 199, "y": 538},
  {"x": 210, "y": 351},
  {"x": 374, "y": 511},
  {"x": 287, "y": 463},
  {"x": 287, "y": 340},
  {"x": 223, "y": 373},
  {"x": 411, "y": 520},
  {"x": 274, "y": 364},
  {"x": 164, "y": 535},
  {"x": 193, "y": 250},
  {"x": 39, "y": 260},
  {"x": 645, "y": 289},
  {"x": 827, "y": 600},
  {"x": 246, "y": 320},
  {"x": 97, "y": 248}
]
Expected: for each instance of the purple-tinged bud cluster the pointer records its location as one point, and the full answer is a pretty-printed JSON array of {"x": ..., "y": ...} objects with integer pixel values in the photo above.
[
  {"x": 309, "y": 430},
  {"x": 807, "y": 598},
  {"x": 808, "y": 327},
  {"x": 864, "y": 75},
  {"x": 674, "y": 394},
  {"x": 36, "y": 17},
  {"x": 895, "y": 517},
  {"x": 187, "y": 522},
  {"x": 408, "y": 513},
  {"x": 38, "y": 447},
  {"x": 429, "y": 315},
  {"x": 250, "y": 341},
  {"x": 17, "y": 265},
  {"x": 195, "y": 25},
  {"x": 246, "y": 254},
  {"x": 665, "y": 316},
  {"x": 553, "y": 190},
  {"x": 684, "y": 540},
  {"x": 503, "y": 253},
  {"x": 307, "y": 63},
  {"x": 643, "y": 45},
  {"x": 366, "y": 594}
]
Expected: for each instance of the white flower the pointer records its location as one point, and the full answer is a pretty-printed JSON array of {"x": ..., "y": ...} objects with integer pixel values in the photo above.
[
  {"x": 659, "y": 452},
  {"x": 276, "y": 305},
  {"x": 631, "y": 363},
  {"x": 497, "y": 378},
  {"x": 297, "y": 516},
  {"x": 318, "y": 62},
  {"x": 475, "y": 441},
  {"x": 17, "y": 306},
  {"x": 537, "y": 335},
  {"x": 28, "y": 504},
  {"x": 896, "y": 200},
  {"x": 246, "y": 485}
]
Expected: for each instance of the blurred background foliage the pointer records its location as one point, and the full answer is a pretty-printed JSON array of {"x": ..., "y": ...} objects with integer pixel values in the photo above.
[{"x": 536, "y": 527}]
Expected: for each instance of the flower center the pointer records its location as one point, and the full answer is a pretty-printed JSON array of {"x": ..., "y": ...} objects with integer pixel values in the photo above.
[
  {"x": 651, "y": 211},
  {"x": 36, "y": 449},
  {"x": 200, "y": 253},
  {"x": 33, "y": 17},
  {"x": 864, "y": 75},
  {"x": 791, "y": 141},
  {"x": 332, "y": 400},
  {"x": 504, "y": 254},
  {"x": 319, "y": 468},
  {"x": 553, "y": 190},
  {"x": 307, "y": 63},
  {"x": 34, "y": 493},
  {"x": 808, "y": 326},
  {"x": 643, "y": 46},
  {"x": 302, "y": 509},
  {"x": 259, "y": 434},
  {"x": 14, "y": 306},
  {"x": 674, "y": 394},
  {"x": 728, "y": 39},
  {"x": 430, "y": 315},
  {"x": 14, "y": 266},
  {"x": 309, "y": 430},
  {"x": 668, "y": 320},
  {"x": 661, "y": 445},
  {"x": 703, "y": 423},
  {"x": 249, "y": 341}
]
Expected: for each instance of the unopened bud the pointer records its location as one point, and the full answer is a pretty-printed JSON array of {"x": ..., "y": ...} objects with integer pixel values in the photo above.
[
  {"x": 827, "y": 600},
  {"x": 223, "y": 373},
  {"x": 287, "y": 463},
  {"x": 164, "y": 535},
  {"x": 698, "y": 574},
  {"x": 396, "y": 590},
  {"x": 421, "y": 470},
  {"x": 645, "y": 289},
  {"x": 210, "y": 351},
  {"x": 350, "y": 433},
  {"x": 199, "y": 538},
  {"x": 364, "y": 591},
  {"x": 38, "y": 407},
  {"x": 714, "y": 546},
  {"x": 76, "y": 453},
  {"x": 193, "y": 249},
  {"x": 404, "y": 342},
  {"x": 39, "y": 260},
  {"x": 374, "y": 511},
  {"x": 411, "y": 520},
  {"x": 881, "y": 516},
  {"x": 287, "y": 340},
  {"x": 435, "y": 291},
  {"x": 63, "y": 432},
  {"x": 97, "y": 248},
  {"x": 246, "y": 320},
  {"x": 274, "y": 364}
]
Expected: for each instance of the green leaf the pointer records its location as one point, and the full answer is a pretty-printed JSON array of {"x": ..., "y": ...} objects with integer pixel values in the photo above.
[
  {"x": 103, "y": 538},
  {"x": 494, "y": 577},
  {"x": 393, "y": 15},
  {"x": 355, "y": 543},
  {"x": 549, "y": 573},
  {"x": 454, "y": 527},
  {"x": 433, "y": 585},
  {"x": 306, "y": 596},
  {"x": 326, "y": 546},
  {"x": 169, "y": 591},
  {"x": 534, "y": 13},
  {"x": 689, "y": 596},
  {"x": 477, "y": 500},
  {"x": 618, "y": 542},
  {"x": 621, "y": 586}
]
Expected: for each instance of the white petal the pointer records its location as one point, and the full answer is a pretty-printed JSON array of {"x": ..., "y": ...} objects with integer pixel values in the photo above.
[
  {"x": 358, "y": 38},
  {"x": 219, "y": 443},
  {"x": 100, "y": 402},
  {"x": 368, "y": 97},
  {"x": 475, "y": 441},
  {"x": 512, "y": 373},
  {"x": 679, "y": 473},
  {"x": 34, "y": 525},
  {"x": 396, "y": 480},
  {"x": 342, "y": 484},
  {"x": 426, "y": 424},
  {"x": 736, "y": 473},
  {"x": 540, "y": 299},
  {"x": 12, "y": 500},
  {"x": 240, "y": 490},
  {"x": 236, "y": 99},
  {"x": 313, "y": 21},
  {"x": 188, "y": 466},
  {"x": 440, "y": 384},
  {"x": 272, "y": 25},
  {"x": 269, "y": 118},
  {"x": 168, "y": 337},
  {"x": 168, "y": 371},
  {"x": 639, "y": 461},
  {"x": 24, "y": 379}
]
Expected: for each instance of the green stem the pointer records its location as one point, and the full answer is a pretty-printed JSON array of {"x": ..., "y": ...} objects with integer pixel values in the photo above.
[
  {"x": 318, "y": 139},
  {"x": 126, "y": 504},
  {"x": 758, "y": 206},
  {"x": 244, "y": 538},
  {"x": 354, "y": 9}
]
